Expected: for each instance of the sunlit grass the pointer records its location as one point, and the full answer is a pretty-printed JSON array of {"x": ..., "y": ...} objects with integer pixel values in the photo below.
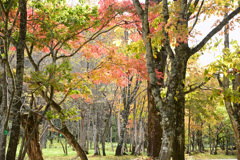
[
  {"x": 207, "y": 155},
  {"x": 56, "y": 153}
]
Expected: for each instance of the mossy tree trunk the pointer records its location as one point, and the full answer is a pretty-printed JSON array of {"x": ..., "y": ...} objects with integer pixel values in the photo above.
[{"x": 33, "y": 148}]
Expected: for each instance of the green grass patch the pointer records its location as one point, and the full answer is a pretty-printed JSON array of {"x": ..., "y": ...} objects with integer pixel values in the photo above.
[
  {"x": 207, "y": 155},
  {"x": 56, "y": 153}
]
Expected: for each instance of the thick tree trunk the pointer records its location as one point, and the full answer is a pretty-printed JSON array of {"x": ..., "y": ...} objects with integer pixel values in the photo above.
[
  {"x": 15, "y": 130},
  {"x": 175, "y": 84},
  {"x": 175, "y": 87},
  {"x": 166, "y": 147},
  {"x": 181, "y": 66},
  {"x": 179, "y": 138},
  {"x": 33, "y": 149},
  {"x": 154, "y": 127}
]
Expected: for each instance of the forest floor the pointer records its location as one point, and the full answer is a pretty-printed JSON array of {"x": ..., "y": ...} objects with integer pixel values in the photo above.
[
  {"x": 206, "y": 155},
  {"x": 56, "y": 153}
]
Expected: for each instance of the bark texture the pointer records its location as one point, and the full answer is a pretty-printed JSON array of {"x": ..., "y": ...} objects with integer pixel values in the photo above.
[
  {"x": 71, "y": 140},
  {"x": 43, "y": 137},
  {"x": 15, "y": 130},
  {"x": 33, "y": 149},
  {"x": 173, "y": 104},
  {"x": 3, "y": 112},
  {"x": 154, "y": 127}
]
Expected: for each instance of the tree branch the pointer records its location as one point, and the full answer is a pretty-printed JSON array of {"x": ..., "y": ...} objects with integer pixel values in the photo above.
[
  {"x": 189, "y": 4},
  {"x": 219, "y": 80},
  {"x": 214, "y": 31},
  {"x": 197, "y": 17},
  {"x": 139, "y": 9},
  {"x": 193, "y": 89},
  {"x": 166, "y": 40}
]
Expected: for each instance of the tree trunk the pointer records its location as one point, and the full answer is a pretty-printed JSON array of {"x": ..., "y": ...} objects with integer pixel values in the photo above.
[
  {"x": 140, "y": 144},
  {"x": 60, "y": 140},
  {"x": 51, "y": 139},
  {"x": 193, "y": 141},
  {"x": 43, "y": 137},
  {"x": 82, "y": 133},
  {"x": 95, "y": 132},
  {"x": 154, "y": 127},
  {"x": 201, "y": 139},
  {"x": 66, "y": 148},
  {"x": 210, "y": 137},
  {"x": 88, "y": 131},
  {"x": 15, "y": 130},
  {"x": 33, "y": 149},
  {"x": 111, "y": 133},
  {"x": 233, "y": 109},
  {"x": 3, "y": 112},
  {"x": 227, "y": 141},
  {"x": 232, "y": 146},
  {"x": 122, "y": 132},
  {"x": 217, "y": 142},
  {"x": 134, "y": 129},
  {"x": 103, "y": 147},
  {"x": 179, "y": 138},
  {"x": 72, "y": 141},
  {"x": 189, "y": 133}
]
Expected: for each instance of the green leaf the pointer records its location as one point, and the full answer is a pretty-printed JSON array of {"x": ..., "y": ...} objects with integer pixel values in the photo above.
[
  {"x": 206, "y": 79},
  {"x": 205, "y": 72},
  {"x": 231, "y": 77},
  {"x": 137, "y": 56},
  {"x": 211, "y": 98}
]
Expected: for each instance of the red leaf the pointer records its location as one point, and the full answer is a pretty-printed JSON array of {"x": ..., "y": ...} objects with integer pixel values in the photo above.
[{"x": 12, "y": 48}]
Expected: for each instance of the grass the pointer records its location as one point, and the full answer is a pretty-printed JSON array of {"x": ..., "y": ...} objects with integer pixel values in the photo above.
[
  {"x": 207, "y": 155},
  {"x": 56, "y": 153}
]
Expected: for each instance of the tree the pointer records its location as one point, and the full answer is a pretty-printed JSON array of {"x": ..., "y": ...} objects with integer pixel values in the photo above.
[
  {"x": 9, "y": 17},
  {"x": 129, "y": 93},
  {"x": 20, "y": 46},
  {"x": 226, "y": 71},
  {"x": 174, "y": 32},
  {"x": 52, "y": 32}
]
